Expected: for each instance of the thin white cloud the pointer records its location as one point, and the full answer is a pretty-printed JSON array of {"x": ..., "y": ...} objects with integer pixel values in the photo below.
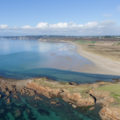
[
  {"x": 59, "y": 25},
  {"x": 42, "y": 25},
  {"x": 64, "y": 28},
  {"x": 107, "y": 15},
  {"x": 3, "y": 26},
  {"x": 26, "y": 27},
  {"x": 91, "y": 25}
]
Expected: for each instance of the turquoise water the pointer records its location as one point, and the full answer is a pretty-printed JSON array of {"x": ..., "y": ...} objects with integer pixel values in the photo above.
[
  {"x": 26, "y": 108},
  {"x": 31, "y": 54},
  {"x": 22, "y": 59}
]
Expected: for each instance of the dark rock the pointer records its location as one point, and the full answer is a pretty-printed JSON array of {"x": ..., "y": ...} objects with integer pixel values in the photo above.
[
  {"x": 17, "y": 113},
  {"x": 72, "y": 83},
  {"x": 44, "y": 112},
  {"x": 116, "y": 79},
  {"x": 8, "y": 101}
]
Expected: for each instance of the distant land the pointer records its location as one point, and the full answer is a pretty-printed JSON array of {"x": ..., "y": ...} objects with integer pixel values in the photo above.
[{"x": 60, "y": 37}]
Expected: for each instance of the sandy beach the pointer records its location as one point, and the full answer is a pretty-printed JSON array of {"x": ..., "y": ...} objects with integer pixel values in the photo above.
[{"x": 103, "y": 64}]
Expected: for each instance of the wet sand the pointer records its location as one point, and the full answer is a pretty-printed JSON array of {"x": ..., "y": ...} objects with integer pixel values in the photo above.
[{"x": 103, "y": 64}]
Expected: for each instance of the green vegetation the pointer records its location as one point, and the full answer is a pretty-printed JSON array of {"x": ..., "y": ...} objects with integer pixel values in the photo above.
[
  {"x": 113, "y": 89},
  {"x": 118, "y": 43},
  {"x": 108, "y": 49},
  {"x": 82, "y": 89},
  {"x": 86, "y": 41}
]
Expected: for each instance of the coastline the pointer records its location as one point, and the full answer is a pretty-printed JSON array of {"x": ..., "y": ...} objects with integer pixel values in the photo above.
[
  {"x": 76, "y": 95},
  {"x": 90, "y": 96},
  {"x": 105, "y": 65},
  {"x": 81, "y": 95}
]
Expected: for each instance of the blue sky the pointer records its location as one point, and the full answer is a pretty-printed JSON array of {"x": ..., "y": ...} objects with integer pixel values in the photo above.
[{"x": 68, "y": 17}]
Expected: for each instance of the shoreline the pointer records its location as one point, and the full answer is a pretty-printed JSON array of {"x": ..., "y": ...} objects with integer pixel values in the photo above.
[
  {"x": 87, "y": 95},
  {"x": 77, "y": 95},
  {"x": 103, "y": 64}
]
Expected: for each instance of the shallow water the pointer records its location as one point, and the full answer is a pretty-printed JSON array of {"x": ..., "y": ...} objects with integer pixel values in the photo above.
[
  {"x": 26, "y": 108},
  {"x": 21, "y": 59},
  {"x": 31, "y": 54}
]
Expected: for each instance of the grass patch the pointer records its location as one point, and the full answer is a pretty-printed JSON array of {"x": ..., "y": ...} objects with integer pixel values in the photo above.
[
  {"x": 86, "y": 42},
  {"x": 63, "y": 85},
  {"x": 113, "y": 89},
  {"x": 108, "y": 49}
]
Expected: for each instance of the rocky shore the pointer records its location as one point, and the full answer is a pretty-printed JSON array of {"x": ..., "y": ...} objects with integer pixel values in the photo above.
[
  {"x": 91, "y": 98},
  {"x": 81, "y": 96},
  {"x": 73, "y": 98}
]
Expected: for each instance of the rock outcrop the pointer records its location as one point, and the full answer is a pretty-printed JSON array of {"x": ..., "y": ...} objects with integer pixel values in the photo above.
[
  {"x": 73, "y": 98},
  {"x": 107, "y": 113},
  {"x": 11, "y": 89}
]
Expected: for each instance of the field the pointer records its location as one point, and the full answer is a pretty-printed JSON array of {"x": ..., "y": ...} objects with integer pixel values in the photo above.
[{"x": 109, "y": 49}]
